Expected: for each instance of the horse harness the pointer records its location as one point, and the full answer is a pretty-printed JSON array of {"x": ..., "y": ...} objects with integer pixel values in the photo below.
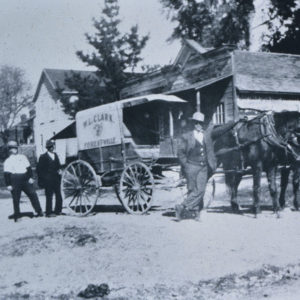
[{"x": 267, "y": 132}]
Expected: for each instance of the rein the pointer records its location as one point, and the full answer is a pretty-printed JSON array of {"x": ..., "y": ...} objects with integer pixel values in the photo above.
[{"x": 267, "y": 132}]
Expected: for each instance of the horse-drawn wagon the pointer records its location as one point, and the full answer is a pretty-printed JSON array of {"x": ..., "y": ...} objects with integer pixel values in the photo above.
[{"x": 119, "y": 144}]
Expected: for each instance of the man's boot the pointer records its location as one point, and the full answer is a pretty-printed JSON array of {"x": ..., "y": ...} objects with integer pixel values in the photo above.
[
  {"x": 178, "y": 211},
  {"x": 197, "y": 215}
]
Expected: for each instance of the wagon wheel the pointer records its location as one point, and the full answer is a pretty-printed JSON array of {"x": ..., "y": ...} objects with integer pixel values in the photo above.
[
  {"x": 80, "y": 187},
  {"x": 136, "y": 188}
]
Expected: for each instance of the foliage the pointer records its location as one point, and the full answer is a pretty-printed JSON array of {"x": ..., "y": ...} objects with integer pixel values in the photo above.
[
  {"x": 14, "y": 96},
  {"x": 89, "y": 92},
  {"x": 115, "y": 57},
  {"x": 284, "y": 27},
  {"x": 211, "y": 22}
]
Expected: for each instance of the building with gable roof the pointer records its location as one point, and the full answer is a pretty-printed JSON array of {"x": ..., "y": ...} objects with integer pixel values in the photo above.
[{"x": 49, "y": 115}]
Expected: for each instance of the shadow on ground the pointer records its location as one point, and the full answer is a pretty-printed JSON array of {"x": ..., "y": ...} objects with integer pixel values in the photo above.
[{"x": 117, "y": 209}]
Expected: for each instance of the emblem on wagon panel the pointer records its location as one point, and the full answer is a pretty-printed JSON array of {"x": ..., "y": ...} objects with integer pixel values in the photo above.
[{"x": 98, "y": 129}]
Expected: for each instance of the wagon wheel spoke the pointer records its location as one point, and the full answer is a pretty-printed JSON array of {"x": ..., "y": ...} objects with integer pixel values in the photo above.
[
  {"x": 72, "y": 178},
  {"x": 132, "y": 174},
  {"x": 147, "y": 191},
  {"x": 87, "y": 177},
  {"x": 76, "y": 202},
  {"x": 85, "y": 203},
  {"x": 80, "y": 203},
  {"x": 139, "y": 202},
  {"x": 127, "y": 192},
  {"x": 143, "y": 197},
  {"x": 73, "y": 170},
  {"x": 128, "y": 177},
  {"x": 133, "y": 198},
  {"x": 87, "y": 198},
  {"x": 74, "y": 197},
  {"x": 126, "y": 186},
  {"x": 78, "y": 166},
  {"x": 145, "y": 181},
  {"x": 69, "y": 193},
  {"x": 86, "y": 181},
  {"x": 130, "y": 198}
]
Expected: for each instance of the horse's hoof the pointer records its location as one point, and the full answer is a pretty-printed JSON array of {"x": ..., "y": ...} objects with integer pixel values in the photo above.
[
  {"x": 235, "y": 208},
  {"x": 256, "y": 211},
  {"x": 277, "y": 214}
]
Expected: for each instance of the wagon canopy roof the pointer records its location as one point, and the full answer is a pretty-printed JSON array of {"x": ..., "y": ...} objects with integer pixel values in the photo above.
[
  {"x": 67, "y": 133},
  {"x": 133, "y": 102}
]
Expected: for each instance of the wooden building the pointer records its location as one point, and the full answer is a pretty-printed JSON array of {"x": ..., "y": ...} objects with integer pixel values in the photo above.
[{"x": 225, "y": 83}]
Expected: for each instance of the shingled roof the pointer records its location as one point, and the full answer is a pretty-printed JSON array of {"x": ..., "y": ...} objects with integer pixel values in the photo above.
[
  {"x": 54, "y": 78},
  {"x": 57, "y": 77},
  {"x": 265, "y": 72}
]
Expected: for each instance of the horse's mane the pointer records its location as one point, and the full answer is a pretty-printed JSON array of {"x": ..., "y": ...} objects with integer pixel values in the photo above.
[
  {"x": 282, "y": 119},
  {"x": 285, "y": 115}
]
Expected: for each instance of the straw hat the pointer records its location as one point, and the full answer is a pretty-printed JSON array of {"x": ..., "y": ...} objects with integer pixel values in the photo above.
[
  {"x": 12, "y": 144},
  {"x": 198, "y": 116}
]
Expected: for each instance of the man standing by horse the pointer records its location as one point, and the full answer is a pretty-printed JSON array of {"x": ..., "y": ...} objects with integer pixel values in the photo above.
[
  {"x": 198, "y": 160},
  {"x": 196, "y": 156}
]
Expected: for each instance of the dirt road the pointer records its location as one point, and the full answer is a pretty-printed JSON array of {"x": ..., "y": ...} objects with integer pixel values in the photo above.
[{"x": 225, "y": 256}]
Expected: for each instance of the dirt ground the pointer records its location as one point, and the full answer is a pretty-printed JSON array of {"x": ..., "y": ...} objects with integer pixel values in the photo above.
[{"x": 224, "y": 256}]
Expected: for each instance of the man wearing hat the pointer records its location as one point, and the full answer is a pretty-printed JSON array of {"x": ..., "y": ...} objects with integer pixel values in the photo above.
[
  {"x": 198, "y": 159},
  {"x": 49, "y": 179},
  {"x": 196, "y": 156},
  {"x": 18, "y": 178}
]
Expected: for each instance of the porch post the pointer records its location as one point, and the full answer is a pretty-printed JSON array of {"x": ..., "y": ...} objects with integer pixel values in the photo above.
[
  {"x": 171, "y": 123},
  {"x": 198, "y": 100}
]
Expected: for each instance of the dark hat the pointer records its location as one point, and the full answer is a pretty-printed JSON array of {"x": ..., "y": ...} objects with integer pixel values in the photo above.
[
  {"x": 12, "y": 144},
  {"x": 50, "y": 144}
]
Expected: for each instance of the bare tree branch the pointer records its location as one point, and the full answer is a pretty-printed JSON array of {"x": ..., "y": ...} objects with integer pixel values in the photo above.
[{"x": 14, "y": 95}]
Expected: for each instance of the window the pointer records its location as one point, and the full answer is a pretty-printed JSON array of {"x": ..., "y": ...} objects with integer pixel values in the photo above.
[{"x": 219, "y": 115}]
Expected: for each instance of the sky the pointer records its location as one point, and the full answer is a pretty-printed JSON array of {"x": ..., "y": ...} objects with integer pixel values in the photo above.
[{"x": 38, "y": 34}]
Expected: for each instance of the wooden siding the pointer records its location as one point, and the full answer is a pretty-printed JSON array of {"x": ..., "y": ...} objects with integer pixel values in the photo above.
[
  {"x": 228, "y": 100},
  {"x": 213, "y": 95}
]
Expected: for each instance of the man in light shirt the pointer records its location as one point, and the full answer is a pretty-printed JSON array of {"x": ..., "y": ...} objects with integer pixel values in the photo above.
[
  {"x": 49, "y": 179},
  {"x": 18, "y": 178}
]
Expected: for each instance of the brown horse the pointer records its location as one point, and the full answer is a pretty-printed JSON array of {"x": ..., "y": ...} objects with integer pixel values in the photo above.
[
  {"x": 263, "y": 143},
  {"x": 294, "y": 166}
]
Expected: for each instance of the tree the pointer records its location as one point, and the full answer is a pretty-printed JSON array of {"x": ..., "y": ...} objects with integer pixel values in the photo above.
[
  {"x": 284, "y": 27},
  {"x": 14, "y": 96},
  {"x": 89, "y": 93},
  {"x": 115, "y": 58},
  {"x": 211, "y": 22}
]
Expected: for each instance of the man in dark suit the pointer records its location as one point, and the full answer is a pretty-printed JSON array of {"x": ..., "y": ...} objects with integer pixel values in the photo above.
[
  {"x": 198, "y": 161},
  {"x": 49, "y": 178}
]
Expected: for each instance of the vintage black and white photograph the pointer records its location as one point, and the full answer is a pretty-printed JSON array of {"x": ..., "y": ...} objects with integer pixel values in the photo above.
[{"x": 150, "y": 149}]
